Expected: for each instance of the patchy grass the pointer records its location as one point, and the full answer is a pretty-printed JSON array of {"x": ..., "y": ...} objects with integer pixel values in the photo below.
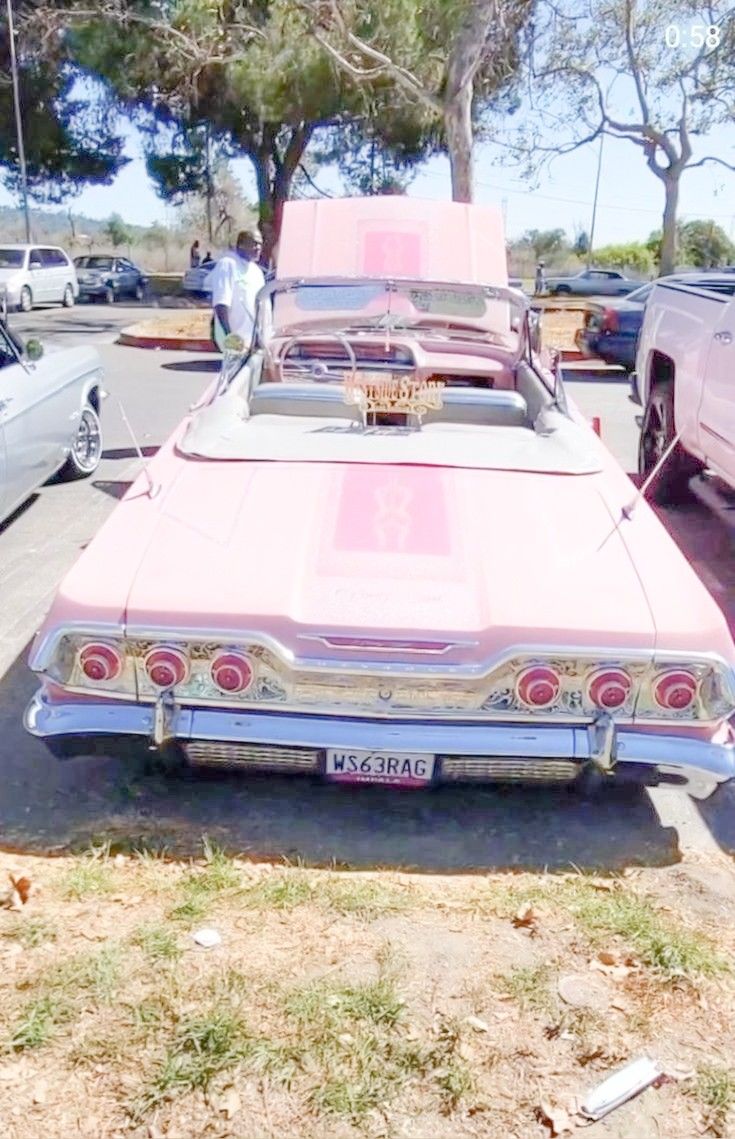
[
  {"x": 660, "y": 941},
  {"x": 202, "y": 885},
  {"x": 714, "y": 1088},
  {"x": 347, "y": 1033},
  {"x": 91, "y": 875},
  {"x": 317, "y": 1016},
  {"x": 529, "y": 986},
  {"x": 203, "y": 1045},
  {"x": 158, "y": 942},
  {"x": 31, "y": 931},
  {"x": 38, "y": 1022}
]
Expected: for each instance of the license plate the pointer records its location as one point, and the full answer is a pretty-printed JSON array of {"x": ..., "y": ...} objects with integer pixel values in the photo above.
[{"x": 404, "y": 768}]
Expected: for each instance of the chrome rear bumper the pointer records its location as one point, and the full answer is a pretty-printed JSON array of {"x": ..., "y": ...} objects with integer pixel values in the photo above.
[{"x": 465, "y": 751}]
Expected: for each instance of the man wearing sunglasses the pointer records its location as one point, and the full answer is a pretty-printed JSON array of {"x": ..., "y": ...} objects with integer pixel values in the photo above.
[{"x": 236, "y": 281}]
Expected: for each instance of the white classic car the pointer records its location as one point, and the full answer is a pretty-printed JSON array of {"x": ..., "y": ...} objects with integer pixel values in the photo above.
[{"x": 49, "y": 416}]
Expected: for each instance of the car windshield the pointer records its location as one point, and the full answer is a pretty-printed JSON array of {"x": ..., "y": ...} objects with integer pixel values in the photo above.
[
  {"x": 394, "y": 305},
  {"x": 640, "y": 295},
  {"x": 11, "y": 258},
  {"x": 93, "y": 262}
]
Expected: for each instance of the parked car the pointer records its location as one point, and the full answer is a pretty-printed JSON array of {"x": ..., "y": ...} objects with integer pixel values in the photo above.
[
  {"x": 197, "y": 280},
  {"x": 386, "y": 547},
  {"x": 611, "y": 330},
  {"x": 106, "y": 277},
  {"x": 49, "y": 416},
  {"x": 36, "y": 274},
  {"x": 684, "y": 380},
  {"x": 592, "y": 283}
]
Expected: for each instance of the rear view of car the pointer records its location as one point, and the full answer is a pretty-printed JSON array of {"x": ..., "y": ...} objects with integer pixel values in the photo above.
[
  {"x": 610, "y": 330},
  {"x": 105, "y": 277}
]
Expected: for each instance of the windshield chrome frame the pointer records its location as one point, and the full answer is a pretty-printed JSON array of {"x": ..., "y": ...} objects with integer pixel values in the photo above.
[{"x": 391, "y": 284}]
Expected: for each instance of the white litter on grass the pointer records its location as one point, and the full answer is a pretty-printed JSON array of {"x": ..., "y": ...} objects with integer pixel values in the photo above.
[
  {"x": 207, "y": 938},
  {"x": 620, "y": 1087}
]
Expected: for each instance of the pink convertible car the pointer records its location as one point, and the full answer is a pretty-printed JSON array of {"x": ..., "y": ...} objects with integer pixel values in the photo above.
[{"x": 386, "y": 548}]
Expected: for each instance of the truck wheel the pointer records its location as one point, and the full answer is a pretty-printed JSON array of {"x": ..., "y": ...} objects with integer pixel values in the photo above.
[
  {"x": 671, "y": 485},
  {"x": 562, "y": 291},
  {"x": 26, "y": 299}
]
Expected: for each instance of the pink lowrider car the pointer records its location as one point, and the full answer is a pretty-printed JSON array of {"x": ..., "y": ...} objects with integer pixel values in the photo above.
[{"x": 384, "y": 547}]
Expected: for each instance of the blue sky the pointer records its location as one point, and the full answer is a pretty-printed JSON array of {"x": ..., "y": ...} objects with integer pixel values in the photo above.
[{"x": 630, "y": 201}]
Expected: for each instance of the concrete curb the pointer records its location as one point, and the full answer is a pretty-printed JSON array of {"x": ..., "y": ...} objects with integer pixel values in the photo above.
[{"x": 134, "y": 339}]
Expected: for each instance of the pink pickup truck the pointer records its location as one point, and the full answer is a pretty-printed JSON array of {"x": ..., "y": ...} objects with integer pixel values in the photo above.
[{"x": 685, "y": 370}]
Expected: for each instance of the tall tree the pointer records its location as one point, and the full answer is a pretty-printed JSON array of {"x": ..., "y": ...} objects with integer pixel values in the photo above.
[
  {"x": 450, "y": 56},
  {"x": 245, "y": 69},
  {"x": 70, "y": 141},
  {"x": 660, "y": 75}
]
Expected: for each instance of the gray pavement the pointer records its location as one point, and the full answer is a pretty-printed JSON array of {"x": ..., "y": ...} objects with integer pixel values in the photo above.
[{"x": 46, "y": 805}]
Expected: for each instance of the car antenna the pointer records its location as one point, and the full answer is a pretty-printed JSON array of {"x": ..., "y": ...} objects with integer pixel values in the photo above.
[
  {"x": 152, "y": 488},
  {"x": 627, "y": 511},
  {"x": 641, "y": 492}
]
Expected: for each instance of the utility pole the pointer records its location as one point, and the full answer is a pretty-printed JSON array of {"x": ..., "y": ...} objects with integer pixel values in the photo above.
[
  {"x": 18, "y": 123},
  {"x": 594, "y": 204}
]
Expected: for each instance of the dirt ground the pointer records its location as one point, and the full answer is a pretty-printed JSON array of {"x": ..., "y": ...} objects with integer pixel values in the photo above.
[
  {"x": 559, "y": 326},
  {"x": 350, "y": 1004}
]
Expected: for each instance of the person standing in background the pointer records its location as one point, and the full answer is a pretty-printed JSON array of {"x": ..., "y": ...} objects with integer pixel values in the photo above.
[
  {"x": 236, "y": 281},
  {"x": 540, "y": 281},
  {"x": 194, "y": 258}
]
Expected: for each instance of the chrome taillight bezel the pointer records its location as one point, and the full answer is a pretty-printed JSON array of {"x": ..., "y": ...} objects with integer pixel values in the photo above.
[{"x": 415, "y": 688}]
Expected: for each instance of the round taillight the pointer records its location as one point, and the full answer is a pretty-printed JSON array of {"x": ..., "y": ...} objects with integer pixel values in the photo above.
[
  {"x": 166, "y": 667},
  {"x": 609, "y": 688},
  {"x": 675, "y": 690},
  {"x": 100, "y": 662},
  {"x": 538, "y": 686},
  {"x": 231, "y": 672}
]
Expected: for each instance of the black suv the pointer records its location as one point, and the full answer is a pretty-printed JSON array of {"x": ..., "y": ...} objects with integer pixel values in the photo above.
[{"x": 108, "y": 277}]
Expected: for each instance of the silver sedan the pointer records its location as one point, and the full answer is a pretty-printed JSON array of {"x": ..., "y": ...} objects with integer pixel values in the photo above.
[
  {"x": 592, "y": 283},
  {"x": 49, "y": 416}
]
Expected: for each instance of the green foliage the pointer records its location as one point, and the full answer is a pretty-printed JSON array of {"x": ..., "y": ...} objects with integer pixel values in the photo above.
[
  {"x": 70, "y": 139},
  {"x": 705, "y": 244},
  {"x": 544, "y": 242},
  {"x": 608, "y": 69},
  {"x": 633, "y": 255},
  {"x": 117, "y": 231}
]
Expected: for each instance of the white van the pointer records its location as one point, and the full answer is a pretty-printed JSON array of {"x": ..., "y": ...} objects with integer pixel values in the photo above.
[{"x": 36, "y": 274}]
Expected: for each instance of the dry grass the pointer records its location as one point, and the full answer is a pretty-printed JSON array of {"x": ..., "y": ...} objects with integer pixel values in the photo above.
[{"x": 345, "y": 1004}]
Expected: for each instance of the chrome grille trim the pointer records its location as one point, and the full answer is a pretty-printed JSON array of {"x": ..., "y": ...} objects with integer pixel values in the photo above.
[
  {"x": 487, "y": 768},
  {"x": 257, "y": 757}
]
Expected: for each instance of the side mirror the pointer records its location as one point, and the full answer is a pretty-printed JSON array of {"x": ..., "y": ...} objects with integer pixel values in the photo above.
[
  {"x": 36, "y": 265},
  {"x": 34, "y": 350}
]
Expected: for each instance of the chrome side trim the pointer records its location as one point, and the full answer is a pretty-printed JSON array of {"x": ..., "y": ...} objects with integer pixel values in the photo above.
[{"x": 699, "y": 764}]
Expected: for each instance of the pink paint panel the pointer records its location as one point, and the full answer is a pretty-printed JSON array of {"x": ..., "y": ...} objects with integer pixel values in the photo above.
[
  {"x": 392, "y": 510},
  {"x": 389, "y": 251}
]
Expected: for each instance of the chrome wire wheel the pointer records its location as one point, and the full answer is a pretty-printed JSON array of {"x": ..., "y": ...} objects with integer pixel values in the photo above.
[{"x": 87, "y": 445}]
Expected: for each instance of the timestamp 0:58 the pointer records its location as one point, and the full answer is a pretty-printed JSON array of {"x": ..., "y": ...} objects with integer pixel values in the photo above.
[{"x": 696, "y": 36}]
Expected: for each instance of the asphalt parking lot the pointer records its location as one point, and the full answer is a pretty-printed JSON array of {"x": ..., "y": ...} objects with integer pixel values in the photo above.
[{"x": 45, "y": 805}]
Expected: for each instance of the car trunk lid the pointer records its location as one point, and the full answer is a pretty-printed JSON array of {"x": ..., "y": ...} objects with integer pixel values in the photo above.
[{"x": 472, "y": 561}]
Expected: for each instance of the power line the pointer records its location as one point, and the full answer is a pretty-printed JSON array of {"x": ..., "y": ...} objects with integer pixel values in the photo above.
[{"x": 571, "y": 201}]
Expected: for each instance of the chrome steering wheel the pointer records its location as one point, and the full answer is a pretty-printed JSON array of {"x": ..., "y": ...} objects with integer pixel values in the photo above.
[{"x": 319, "y": 338}]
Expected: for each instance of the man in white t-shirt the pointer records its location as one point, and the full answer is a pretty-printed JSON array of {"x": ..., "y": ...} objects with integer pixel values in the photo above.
[{"x": 236, "y": 281}]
